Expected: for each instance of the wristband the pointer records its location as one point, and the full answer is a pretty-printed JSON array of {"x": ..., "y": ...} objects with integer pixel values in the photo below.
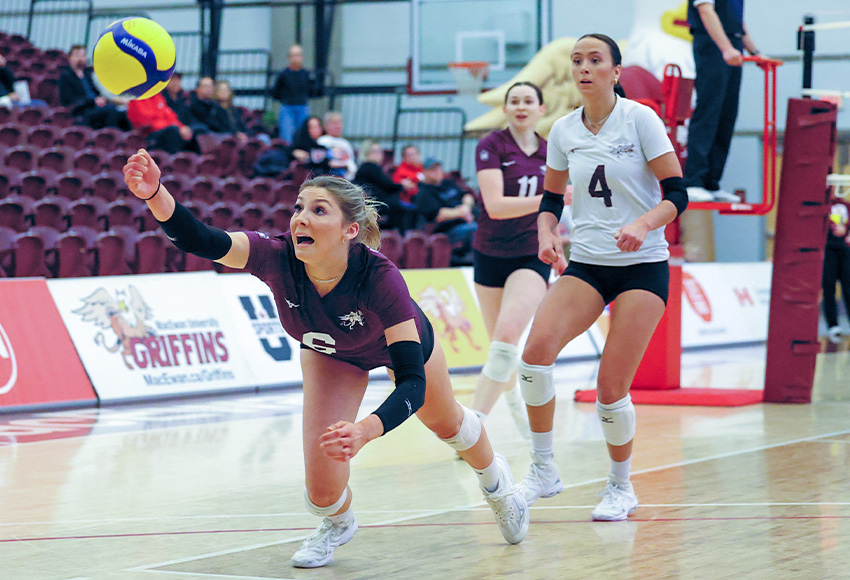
[{"x": 154, "y": 193}]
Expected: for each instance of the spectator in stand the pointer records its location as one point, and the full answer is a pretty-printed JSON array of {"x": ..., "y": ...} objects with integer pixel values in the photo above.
[
  {"x": 441, "y": 202},
  {"x": 292, "y": 89},
  {"x": 342, "y": 153},
  {"x": 372, "y": 177},
  {"x": 306, "y": 148},
  {"x": 208, "y": 111},
  {"x": 178, "y": 100},
  {"x": 168, "y": 133},
  {"x": 79, "y": 93},
  {"x": 8, "y": 97},
  {"x": 409, "y": 171}
]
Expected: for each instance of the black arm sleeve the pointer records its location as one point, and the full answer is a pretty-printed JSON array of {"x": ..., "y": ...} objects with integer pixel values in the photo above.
[
  {"x": 409, "y": 394},
  {"x": 676, "y": 193},
  {"x": 194, "y": 237},
  {"x": 553, "y": 203}
]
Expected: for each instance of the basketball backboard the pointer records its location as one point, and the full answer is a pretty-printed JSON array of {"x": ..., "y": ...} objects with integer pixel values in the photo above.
[{"x": 504, "y": 33}]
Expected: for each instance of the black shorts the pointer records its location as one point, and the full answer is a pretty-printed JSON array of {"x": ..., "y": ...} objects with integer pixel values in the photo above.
[
  {"x": 611, "y": 281},
  {"x": 492, "y": 271}
]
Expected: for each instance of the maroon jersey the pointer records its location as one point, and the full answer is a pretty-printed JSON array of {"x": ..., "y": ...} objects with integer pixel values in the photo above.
[
  {"x": 523, "y": 176},
  {"x": 347, "y": 323}
]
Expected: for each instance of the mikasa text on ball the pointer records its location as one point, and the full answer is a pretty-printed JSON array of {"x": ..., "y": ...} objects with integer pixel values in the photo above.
[{"x": 134, "y": 58}]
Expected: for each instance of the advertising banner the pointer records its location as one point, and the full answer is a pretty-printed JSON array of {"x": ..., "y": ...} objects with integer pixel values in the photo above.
[
  {"x": 725, "y": 303},
  {"x": 38, "y": 364},
  {"x": 586, "y": 345},
  {"x": 271, "y": 353},
  {"x": 153, "y": 335},
  {"x": 445, "y": 297}
]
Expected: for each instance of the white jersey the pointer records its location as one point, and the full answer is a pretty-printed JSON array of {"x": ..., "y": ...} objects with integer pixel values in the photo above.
[{"x": 612, "y": 182}]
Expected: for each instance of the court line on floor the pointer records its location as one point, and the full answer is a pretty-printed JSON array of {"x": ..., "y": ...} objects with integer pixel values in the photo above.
[
  {"x": 716, "y": 457},
  {"x": 420, "y": 512}
]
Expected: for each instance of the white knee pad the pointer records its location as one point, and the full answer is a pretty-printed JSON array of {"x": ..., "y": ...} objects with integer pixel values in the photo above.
[
  {"x": 501, "y": 362},
  {"x": 324, "y": 512},
  {"x": 618, "y": 420},
  {"x": 469, "y": 434},
  {"x": 537, "y": 384}
]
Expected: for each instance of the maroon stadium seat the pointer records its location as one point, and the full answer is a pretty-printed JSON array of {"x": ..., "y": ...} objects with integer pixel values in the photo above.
[
  {"x": 391, "y": 246},
  {"x": 43, "y": 136},
  {"x": 88, "y": 160},
  {"x": 233, "y": 189},
  {"x": 177, "y": 185},
  {"x": 135, "y": 139},
  {"x": 29, "y": 256},
  {"x": 12, "y": 134},
  {"x": 73, "y": 256},
  {"x": 31, "y": 115},
  {"x": 85, "y": 212},
  {"x": 252, "y": 217},
  {"x": 439, "y": 251},
  {"x": 150, "y": 253},
  {"x": 76, "y": 137},
  {"x": 121, "y": 212},
  {"x": 248, "y": 154},
  {"x": 50, "y": 211},
  {"x": 205, "y": 188},
  {"x": 7, "y": 245},
  {"x": 415, "y": 253},
  {"x": 262, "y": 190},
  {"x": 105, "y": 185},
  {"x": 22, "y": 157},
  {"x": 14, "y": 211},
  {"x": 221, "y": 215},
  {"x": 60, "y": 117},
  {"x": 115, "y": 161},
  {"x": 280, "y": 215},
  {"x": 57, "y": 159},
  {"x": 108, "y": 139},
  {"x": 184, "y": 163},
  {"x": 33, "y": 184},
  {"x": 70, "y": 184},
  {"x": 111, "y": 255},
  {"x": 47, "y": 89}
]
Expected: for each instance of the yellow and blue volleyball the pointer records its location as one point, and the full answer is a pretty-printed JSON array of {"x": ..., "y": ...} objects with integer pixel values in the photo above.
[{"x": 134, "y": 58}]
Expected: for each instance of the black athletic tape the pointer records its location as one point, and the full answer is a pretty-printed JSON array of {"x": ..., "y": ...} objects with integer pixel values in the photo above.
[
  {"x": 409, "y": 394},
  {"x": 194, "y": 237},
  {"x": 676, "y": 193},
  {"x": 553, "y": 203}
]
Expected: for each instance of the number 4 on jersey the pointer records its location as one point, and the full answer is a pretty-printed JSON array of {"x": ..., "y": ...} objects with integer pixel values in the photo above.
[{"x": 599, "y": 186}]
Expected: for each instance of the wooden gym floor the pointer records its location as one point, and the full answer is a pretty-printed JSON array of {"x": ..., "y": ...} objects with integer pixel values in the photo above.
[{"x": 212, "y": 489}]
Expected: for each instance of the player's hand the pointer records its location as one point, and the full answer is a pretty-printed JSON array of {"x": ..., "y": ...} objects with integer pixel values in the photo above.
[
  {"x": 551, "y": 250},
  {"x": 343, "y": 440},
  {"x": 733, "y": 56},
  {"x": 630, "y": 238},
  {"x": 142, "y": 175}
]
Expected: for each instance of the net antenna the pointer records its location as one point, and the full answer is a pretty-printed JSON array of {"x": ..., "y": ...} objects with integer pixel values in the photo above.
[{"x": 469, "y": 76}]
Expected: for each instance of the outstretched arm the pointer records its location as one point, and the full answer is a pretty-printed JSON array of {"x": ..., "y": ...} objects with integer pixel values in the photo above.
[
  {"x": 343, "y": 440},
  {"x": 142, "y": 176}
]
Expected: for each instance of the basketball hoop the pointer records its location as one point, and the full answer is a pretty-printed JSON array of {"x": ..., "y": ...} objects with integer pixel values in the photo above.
[{"x": 469, "y": 76}]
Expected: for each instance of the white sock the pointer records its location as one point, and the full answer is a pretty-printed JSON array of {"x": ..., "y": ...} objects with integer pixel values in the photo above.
[
  {"x": 542, "y": 443},
  {"x": 344, "y": 518},
  {"x": 620, "y": 470},
  {"x": 489, "y": 476}
]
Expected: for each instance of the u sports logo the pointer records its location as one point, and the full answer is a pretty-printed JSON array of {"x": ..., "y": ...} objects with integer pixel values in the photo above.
[
  {"x": 267, "y": 326},
  {"x": 8, "y": 363}
]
